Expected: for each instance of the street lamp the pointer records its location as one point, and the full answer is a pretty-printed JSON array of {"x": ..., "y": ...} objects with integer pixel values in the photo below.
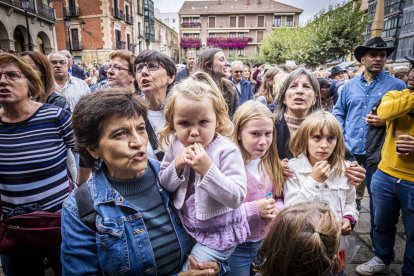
[{"x": 25, "y": 6}]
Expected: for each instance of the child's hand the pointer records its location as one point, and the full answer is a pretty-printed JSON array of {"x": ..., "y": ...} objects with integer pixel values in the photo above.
[
  {"x": 199, "y": 159},
  {"x": 182, "y": 159},
  {"x": 346, "y": 227},
  {"x": 287, "y": 172},
  {"x": 267, "y": 208},
  {"x": 320, "y": 171}
]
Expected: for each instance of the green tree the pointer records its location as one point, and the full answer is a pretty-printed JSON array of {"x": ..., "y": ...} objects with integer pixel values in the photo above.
[{"x": 331, "y": 35}]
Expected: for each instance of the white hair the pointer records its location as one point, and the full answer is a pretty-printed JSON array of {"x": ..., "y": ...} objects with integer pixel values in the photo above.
[{"x": 236, "y": 63}]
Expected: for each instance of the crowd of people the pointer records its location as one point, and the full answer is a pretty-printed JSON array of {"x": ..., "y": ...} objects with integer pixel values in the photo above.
[{"x": 220, "y": 168}]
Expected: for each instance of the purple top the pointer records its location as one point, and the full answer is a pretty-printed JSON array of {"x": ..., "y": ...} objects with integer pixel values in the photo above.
[
  {"x": 210, "y": 206},
  {"x": 259, "y": 228}
]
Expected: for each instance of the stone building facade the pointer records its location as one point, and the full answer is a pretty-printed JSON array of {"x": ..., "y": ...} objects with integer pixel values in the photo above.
[
  {"x": 14, "y": 29},
  {"x": 238, "y": 27}
]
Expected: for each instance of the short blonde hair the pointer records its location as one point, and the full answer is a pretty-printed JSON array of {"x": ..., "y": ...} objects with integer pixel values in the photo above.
[
  {"x": 270, "y": 162},
  {"x": 198, "y": 86},
  {"x": 314, "y": 123},
  {"x": 303, "y": 240}
]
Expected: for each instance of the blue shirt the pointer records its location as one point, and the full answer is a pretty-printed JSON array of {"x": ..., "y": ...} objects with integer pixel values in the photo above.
[{"x": 356, "y": 100}]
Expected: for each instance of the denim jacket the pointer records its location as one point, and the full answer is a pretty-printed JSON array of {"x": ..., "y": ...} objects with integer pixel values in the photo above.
[{"x": 122, "y": 245}]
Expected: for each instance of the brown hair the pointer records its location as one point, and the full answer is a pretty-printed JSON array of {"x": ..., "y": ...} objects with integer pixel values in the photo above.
[
  {"x": 252, "y": 110},
  {"x": 93, "y": 110},
  {"x": 313, "y": 124},
  {"x": 36, "y": 88},
  {"x": 266, "y": 89},
  {"x": 125, "y": 55},
  {"x": 303, "y": 240},
  {"x": 198, "y": 86},
  {"x": 46, "y": 71}
]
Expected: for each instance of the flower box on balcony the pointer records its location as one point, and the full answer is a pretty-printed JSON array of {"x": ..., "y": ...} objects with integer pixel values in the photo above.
[
  {"x": 229, "y": 42},
  {"x": 189, "y": 42}
]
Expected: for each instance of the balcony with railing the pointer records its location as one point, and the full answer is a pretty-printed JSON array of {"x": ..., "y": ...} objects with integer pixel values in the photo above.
[
  {"x": 71, "y": 11},
  {"x": 117, "y": 13},
  {"x": 131, "y": 48},
  {"x": 191, "y": 25},
  {"x": 75, "y": 45},
  {"x": 120, "y": 45},
  {"x": 42, "y": 11},
  {"x": 129, "y": 19}
]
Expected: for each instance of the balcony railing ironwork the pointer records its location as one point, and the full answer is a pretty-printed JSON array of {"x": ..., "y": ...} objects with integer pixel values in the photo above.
[
  {"x": 129, "y": 20},
  {"x": 71, "y": 11},
  {"x": 120, "y": 44},
  {"x": 191, "y": 25},
  {"x": 117, "y": 13},
  {"x": 76, "y": 45}
]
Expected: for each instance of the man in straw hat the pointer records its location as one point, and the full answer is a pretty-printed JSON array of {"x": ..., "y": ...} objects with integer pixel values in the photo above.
[
  {"x": 392, "y": 185},
  {"x": 358, "y": 97}
]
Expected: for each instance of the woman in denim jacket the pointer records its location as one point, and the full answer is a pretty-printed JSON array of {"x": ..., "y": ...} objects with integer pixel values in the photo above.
[{"x": 137, "y": 231}]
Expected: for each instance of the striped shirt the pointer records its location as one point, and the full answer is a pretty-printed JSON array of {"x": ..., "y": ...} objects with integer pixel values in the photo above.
[
  {"x": 143, "y": 194},
  {"x": 33, "y": 159}
]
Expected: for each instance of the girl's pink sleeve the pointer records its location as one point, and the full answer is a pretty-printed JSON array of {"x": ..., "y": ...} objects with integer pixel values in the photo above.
[
  {"x": 279, "y": 203},
  {"x": 252, "y": 211}
]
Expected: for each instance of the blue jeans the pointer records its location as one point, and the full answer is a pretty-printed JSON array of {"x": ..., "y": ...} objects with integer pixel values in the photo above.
[
  {"x": 362, "y": 160},
  {"x": 203, "y": 253},
  {"x": 242, "y": 258},
  {"x": 391, "y": 194}
]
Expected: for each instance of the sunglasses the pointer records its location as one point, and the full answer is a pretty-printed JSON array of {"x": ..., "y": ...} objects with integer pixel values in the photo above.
[
  {"x": 151, "y": 66},
  {"x": 11, "y": 75}
]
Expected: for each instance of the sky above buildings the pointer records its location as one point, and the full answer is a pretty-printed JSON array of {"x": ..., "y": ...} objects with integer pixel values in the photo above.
[{"x": 309, "y": 7}]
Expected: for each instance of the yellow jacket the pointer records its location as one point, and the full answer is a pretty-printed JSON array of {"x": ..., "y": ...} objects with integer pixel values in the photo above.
[{"x": 393, "y": 110}]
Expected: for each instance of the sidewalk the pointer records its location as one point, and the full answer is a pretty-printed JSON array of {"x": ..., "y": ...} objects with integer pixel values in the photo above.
[{"x": 361, "y": 232}]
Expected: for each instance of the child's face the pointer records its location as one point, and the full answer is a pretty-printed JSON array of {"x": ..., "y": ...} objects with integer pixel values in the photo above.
[
  {"x": 320, "y": 146},
  {"x": 256, "y": 137},
  {"x": 194, "y": 121}
]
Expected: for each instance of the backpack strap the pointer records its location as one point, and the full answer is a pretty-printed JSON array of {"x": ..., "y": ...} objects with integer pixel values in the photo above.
[{"x": 87, "y": 213}]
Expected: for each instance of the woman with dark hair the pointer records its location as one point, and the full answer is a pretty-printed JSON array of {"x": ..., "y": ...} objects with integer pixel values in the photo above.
[
  {"x": 326, "y": 96},
  {"x": 41, "y": 64},
  {"x": 135, "y": 230},
  {"x": 155, "y": 74},
  {"x": 299, "y": 97},
  {"x": 213, "y": 62},
  {"x": 265, "y": 94},
  {"x": 34, "y": 139}
]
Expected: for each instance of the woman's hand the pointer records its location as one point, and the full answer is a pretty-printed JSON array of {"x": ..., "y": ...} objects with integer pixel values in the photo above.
[
  {"x": 205, "y": 268},
  {"x": 355, "y": 173},
  {"x": 287, "y": 172},
  {"x": 199, "y": 159},
  {"x": 320, "y": 171},
  {"x": 267, "y": 208},
  {"x": 405, "y": 144},
  {"x": 346, "y": 227}
]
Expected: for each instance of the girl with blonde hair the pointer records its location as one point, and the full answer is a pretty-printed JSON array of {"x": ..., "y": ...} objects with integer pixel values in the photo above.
[
  {"x": 266, "y": 89},
  {"x": 254, "y": 134},
  {"x": 204, "y": 169},
  {"x": 319, "y": 168},
  {"x": 303, "y": 240}
]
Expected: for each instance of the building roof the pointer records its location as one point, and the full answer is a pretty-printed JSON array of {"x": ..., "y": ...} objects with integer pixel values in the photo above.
[{"x": 196, "y": 7}]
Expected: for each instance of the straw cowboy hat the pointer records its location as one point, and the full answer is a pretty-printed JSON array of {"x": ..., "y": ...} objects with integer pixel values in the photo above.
[{"x": 375, "y": 43}]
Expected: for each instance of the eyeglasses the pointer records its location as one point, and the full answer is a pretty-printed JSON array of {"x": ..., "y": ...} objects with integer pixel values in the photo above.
[
  {"x": 151, "y": 66},
  {"x": 56, "y": 62},
  {"x": 11, "y": 75},
  {"x": 116, "y": 68},
  {"x": 238, "y": 71}
]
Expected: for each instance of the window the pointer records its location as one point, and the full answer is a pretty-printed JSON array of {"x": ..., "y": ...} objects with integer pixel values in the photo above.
[
  {"x": 232, "y": 52},
  {"x": 139, "y": 29},
  {"x": 259, "y": 36},
  {"x": 173, "y": 21},
  {"x": 391, "y": 6},
  {"x": 211, "y": 22},
  {"x": 277, "y": 22},
  {"x": 233, "y": 21},
  {"x": 289, "y": 21},
  {"x": 240, "y": 52},
  {"x": 240, "y": 34},
  {"x": 139, "y": 7},
  {"x": 232, "y": 34},
  {"x": 166, "y": 20},
  {"x": 405, "y": 47},
  {"x": 260, "y": 21},
  {"x": 127, "y": 12},
  {"x": 390, "y": 26},
  {"x": 212, "y": 35},
  {"x": 408, "y": 22},
  {"x": 242, "y": 21}
]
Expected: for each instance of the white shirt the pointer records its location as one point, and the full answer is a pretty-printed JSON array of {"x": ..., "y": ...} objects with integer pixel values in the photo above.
[
  {"x": 157, "y": 120},
  {"x": 73, "y": 90}
]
